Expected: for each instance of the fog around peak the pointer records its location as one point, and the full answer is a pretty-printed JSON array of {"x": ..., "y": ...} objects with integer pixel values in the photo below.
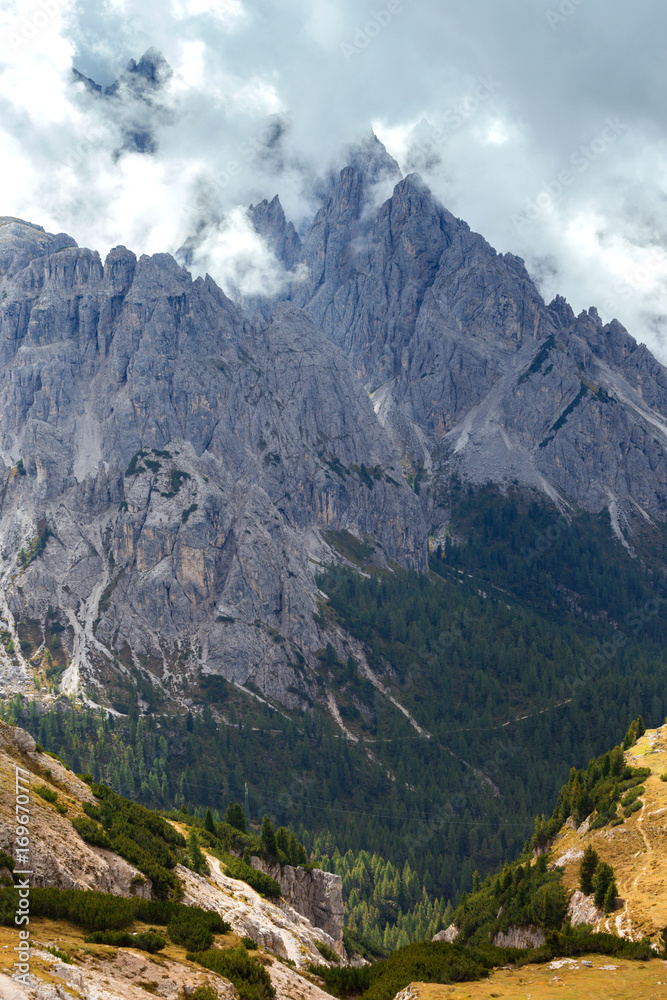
[{"x": 540, "y": 123}]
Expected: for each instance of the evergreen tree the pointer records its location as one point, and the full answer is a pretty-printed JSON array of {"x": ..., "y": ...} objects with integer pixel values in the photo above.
[
  {"x": 235, "y": 816},
  {"x": 610, "y": 897},
  {"x": 195, "y": 853},
  {"x": 602, "y": 881},
  {"x": 268, "y": 835},
  {"x": 587, "y": 869},
  {"x": 208, "y": 822}
]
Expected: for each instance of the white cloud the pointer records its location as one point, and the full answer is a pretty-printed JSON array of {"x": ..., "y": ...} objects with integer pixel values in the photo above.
[{"x": 510, "y": 100}]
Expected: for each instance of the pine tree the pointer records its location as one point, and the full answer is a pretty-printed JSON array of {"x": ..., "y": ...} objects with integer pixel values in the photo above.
[
  {"x": 208, "y": 822},
  {"x": 195, "y": 853},
  {"x": 587, "y": 868},
  {"x": 610, "y": 897},
  {"x": 602, "y": 880},
  {"x": 269, "y": 845}
]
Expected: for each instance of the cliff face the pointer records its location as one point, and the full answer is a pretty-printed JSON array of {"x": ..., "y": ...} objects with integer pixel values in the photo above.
[
  {"x": 181, "y": 465},
  {"x": 315, "y": 894},
  {"x": 172, "y": 473},
  {"x": 469, "y": 370}
]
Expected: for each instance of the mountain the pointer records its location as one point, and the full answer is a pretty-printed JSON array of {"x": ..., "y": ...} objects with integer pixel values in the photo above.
[
  {"x": 185, "y": 464},
  {"x": 364, "y": 549},
  {"x": 469, "y": 370}
]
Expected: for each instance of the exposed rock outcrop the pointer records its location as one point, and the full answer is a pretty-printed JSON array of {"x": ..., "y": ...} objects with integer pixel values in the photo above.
[
  {"x": 449, "y": 935},
  {"x": 316, "y": 894},
  {"x": 520, "y": 937},
  {"x": 186, "y": 463},
  {"x": 582, "y": 910}
]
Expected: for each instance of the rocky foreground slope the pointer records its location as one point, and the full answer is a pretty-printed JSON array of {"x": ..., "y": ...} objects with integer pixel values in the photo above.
[{"x": 59, "y": 858}]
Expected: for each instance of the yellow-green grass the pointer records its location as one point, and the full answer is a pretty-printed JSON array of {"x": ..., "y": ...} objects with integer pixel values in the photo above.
[
  {"x": 625, "y": 981},
  {"x": 637, "y": 849}
]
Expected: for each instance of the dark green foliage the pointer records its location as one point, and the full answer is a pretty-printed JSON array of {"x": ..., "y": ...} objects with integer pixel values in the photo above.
[
  {"x": 610, "y": 897},
  {"x": 634, "y": 733},
  {"x": 90, "y": 831},
  {"x": 527, "y": 894},
  {"x": 327, "y": 952},
  {"x": 195, "y": 931},
  {"x": 189, "y": 926},
  {"x": 186, "y": 513},
  {"x": 134, "y": 468},
  {"x": 195, "y": 854},
  {"x": 248, "y": 943},
  {"x": 48, "y": 794},
  {"x": 208, "y": 822},
  {"x": 445, "y": 963},
  {"x": 140, "y": 836},
  {"x": 122, "y": 939},
  {"x": 597, "y": 790},
  {"x": 235, "y": 817},
  {"x": 589, "y": 863},
  {"x": 425, "y": 963},
  {"x": 247, "y": 974},
  {"x": 269, "y": 845},
  {"x": 261, "y": 883},
  {"x": 602, "y": 880},
  {"x": 176, "y": 480}
]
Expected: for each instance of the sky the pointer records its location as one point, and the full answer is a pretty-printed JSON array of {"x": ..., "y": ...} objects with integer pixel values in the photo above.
[{"x": 542, "y": 123}]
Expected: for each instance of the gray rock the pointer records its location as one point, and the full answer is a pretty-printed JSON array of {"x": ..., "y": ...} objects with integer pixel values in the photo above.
[
  {"x": 251, "y": 441},
  {"x": 313, "y": 893}
]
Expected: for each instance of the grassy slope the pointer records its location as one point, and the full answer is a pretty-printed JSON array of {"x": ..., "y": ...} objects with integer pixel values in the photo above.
[
  {"x": 609, "y": 978},
  {"x": 637, "y": 849}
]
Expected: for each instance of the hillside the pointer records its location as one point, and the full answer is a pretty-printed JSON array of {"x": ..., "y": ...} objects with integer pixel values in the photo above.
[
  {"x": 67, "y": 853},
  {"x": 636, "y": 849}
]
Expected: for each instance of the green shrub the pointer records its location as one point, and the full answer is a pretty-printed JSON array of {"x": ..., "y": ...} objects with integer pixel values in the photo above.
[
  {"x": 248, "y": 943},
  {"x": 204, "y": 993},
  {"x": 261, "y": 883},
  {"x": 147, "y": 941},
  {"x": 633, "y": 808},
  {"x": 46, "y": 793},
  {"x": 195, "y": 931},
  {"x": 632, "y": 795},
  {"x": 247, "y": 974},
  {"x": 327, "y": 952},
  {"x": 90, "y": 831}
]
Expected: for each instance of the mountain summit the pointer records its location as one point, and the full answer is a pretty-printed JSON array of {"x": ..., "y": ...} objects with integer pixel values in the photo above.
[{"x": 174, "y": 471}]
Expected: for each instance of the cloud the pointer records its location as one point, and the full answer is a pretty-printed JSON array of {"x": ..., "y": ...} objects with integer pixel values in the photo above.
[{"x": 494, "y": 103}]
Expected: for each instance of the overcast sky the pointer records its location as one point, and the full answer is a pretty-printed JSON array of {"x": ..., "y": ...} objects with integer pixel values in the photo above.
[{"x": 546, "y": 127}]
